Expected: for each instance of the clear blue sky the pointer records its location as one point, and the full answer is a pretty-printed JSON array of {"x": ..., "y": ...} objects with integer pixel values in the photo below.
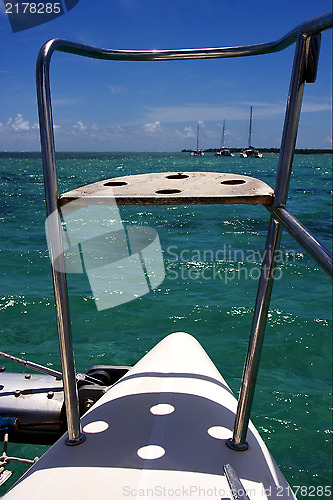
[{"x": 122, "y": 106}]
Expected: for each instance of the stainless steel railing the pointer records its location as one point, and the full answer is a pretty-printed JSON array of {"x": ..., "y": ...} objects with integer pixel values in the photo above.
[
  {"x": 307, "y": 39},
  {"x": 304, "y": 69}
]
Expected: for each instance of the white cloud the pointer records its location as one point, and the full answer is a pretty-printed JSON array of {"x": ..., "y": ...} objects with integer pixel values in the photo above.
[
  {"x": 79, "y": 126},
  {"x": 313, "y": 108},
  {"x": 152, "y": 127},
  {"x": 193, "y": 113},
  {"x": 117, "y": 89},
  {"x": 18, "y": 134},
  {"x": 168, "y": 129},
  {"x": 186, "y": 132},
  {"x": 18, "y": 123},
  {"x": 237, "y": 111}
]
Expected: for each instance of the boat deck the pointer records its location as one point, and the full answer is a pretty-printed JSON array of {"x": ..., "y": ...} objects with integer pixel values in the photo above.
[{"x": 159, "y": 432}]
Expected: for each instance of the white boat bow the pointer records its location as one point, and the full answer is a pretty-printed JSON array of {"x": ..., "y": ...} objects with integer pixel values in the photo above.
[{"x": 160, "y": 430}]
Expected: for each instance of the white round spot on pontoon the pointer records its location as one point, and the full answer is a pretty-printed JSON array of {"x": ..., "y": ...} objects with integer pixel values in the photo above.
[
  {"x": 95, "y": 427},
  {"x": 219, "y": 432},
  {"x": 151, "y": 452},
  {"x": 162, "y": 409}
]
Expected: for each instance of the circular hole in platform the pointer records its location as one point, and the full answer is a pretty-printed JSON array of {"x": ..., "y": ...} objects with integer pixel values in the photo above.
[
  {"x": 233, "y": 182},
  {"x": 177, "y": 176},
  {"x": 115, "y": 183},
  {"x": 168, "y": 191}
]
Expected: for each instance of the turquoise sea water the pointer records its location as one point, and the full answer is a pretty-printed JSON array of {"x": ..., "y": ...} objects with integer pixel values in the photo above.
[{"x": 212, "y": 262}]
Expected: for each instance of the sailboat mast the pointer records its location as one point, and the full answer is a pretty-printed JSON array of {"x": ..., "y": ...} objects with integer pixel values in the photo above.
[
  {"x": 198, "y": 137},
  {"x": 250, "y": 129},
  {"x": 222, "y": 139}
]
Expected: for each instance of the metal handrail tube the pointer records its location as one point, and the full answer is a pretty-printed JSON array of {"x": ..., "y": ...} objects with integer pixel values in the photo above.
[
  {"x": 75, "y": 434},
  {"x": 238, "y": 441},
  {"x": 300, "y": 33},
  {"x": 311, "y": 27},
  {"x": 294, "y": 103},
  {"x": 302, "y": 235},
  {"x": 291, "y": 120}
]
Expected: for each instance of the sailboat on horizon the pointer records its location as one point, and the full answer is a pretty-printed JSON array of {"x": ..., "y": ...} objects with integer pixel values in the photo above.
[
  {"x": 250, "y": 152},
  {"x": 223, "y": 151},
  {"x": 197, "y": 152}
]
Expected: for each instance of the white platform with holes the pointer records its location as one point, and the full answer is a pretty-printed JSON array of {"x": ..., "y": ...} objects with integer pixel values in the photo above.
[
  {"x": 169, "y": 188},
  {"x": 159, "y": 432}
]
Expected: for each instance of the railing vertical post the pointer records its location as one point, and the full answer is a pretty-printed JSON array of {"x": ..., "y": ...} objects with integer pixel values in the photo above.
[
  {"x": 238, "y": 441},
  {"x": 306, "y": 49},
  {"x": 75, "y": 435},
  {"x": 298, "y": 77}
]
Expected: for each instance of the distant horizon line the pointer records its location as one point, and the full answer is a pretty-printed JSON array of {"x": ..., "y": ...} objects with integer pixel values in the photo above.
[
  {"x": 207, "y": 150},
  {"x": 264, "y": 150}
]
